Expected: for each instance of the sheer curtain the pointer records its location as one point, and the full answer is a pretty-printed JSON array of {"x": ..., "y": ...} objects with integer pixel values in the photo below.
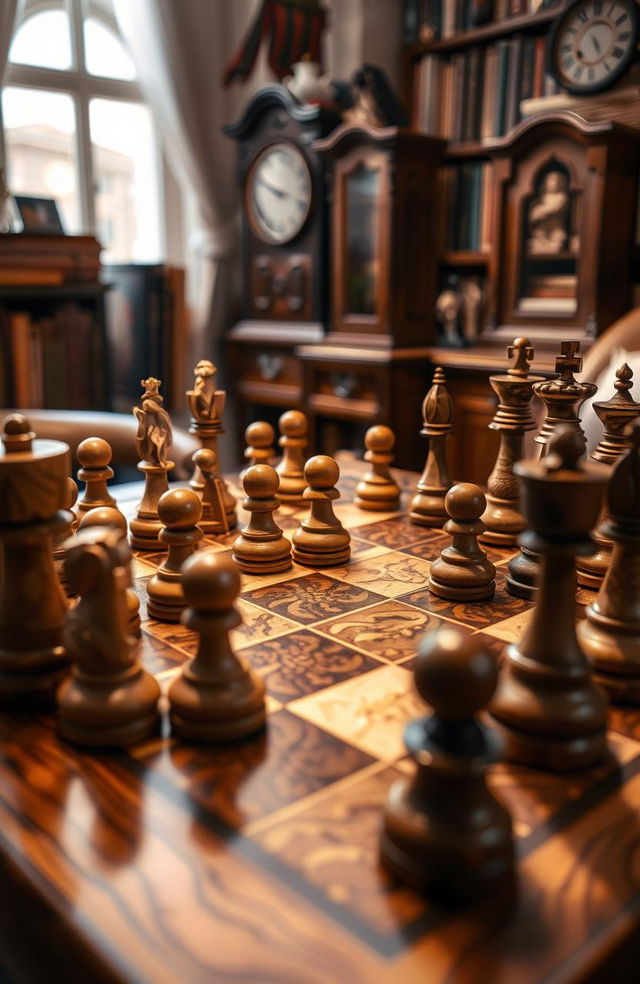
[
  {"x": 10, "y": 12},
  {"x": 180, "y": 49}
]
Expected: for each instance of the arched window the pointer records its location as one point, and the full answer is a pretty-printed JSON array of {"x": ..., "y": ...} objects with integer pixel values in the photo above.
[{"x": 76, "y": 128}]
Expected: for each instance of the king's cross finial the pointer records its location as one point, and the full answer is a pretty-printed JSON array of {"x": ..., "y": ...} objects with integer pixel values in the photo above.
[
  {"x": 522, "y": 353},
  {"x": 569, "y": 362}
]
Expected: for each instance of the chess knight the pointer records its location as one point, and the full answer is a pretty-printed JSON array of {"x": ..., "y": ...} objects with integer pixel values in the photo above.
[
  {"x": 154, "y": 436},
  {"x": 205, "y": 402}
]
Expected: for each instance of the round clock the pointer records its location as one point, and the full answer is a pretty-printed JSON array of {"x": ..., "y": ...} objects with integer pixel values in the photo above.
[
  {"x": 592, "y": 44},
  {"x": 278, "y": 193}
]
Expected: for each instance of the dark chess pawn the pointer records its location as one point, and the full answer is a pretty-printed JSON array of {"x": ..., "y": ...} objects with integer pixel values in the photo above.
[
  {"x": 214, "y": 520},
  {"x": 378, "y": 490},
  {"x": 179, "y": 511},
  {"x": 321, "y": 540},
  {"x": 217, "y": 696},
  {"x": 293, "y": 441},
  {"x": 261, "y": 548},
  {"x": 94, "y": 456},
  {"x": 462, "y": 572},
  {"x": 260, "y": 439},
  {"x": 65, "y": 532},
  {"x": 113, "y": 519},
  {"x": 551, "y": 713},
  {"x": 109, "y": 699},
  {"x": 427, "y": 506},
  {"x": 444, "y": 832},
  {"x": 610, "y": 634}
]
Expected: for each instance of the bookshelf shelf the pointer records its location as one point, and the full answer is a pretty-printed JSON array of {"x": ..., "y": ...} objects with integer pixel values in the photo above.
[
  {"x": 464, "y": 258},
  {"x": 488, "y": 32}
]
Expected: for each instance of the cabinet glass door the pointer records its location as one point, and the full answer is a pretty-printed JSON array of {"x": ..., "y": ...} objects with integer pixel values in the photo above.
[{"x": 361, "y": 240}]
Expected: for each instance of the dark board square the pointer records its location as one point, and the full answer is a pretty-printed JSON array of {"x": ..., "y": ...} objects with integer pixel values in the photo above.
[
  {"x": 390, "y": 630},
  {"x": 311, "y": 598},
  {"x": 478, "y": 614},
  {"x": 158, "y": 654},
  {"x": 397, "y": 533}
]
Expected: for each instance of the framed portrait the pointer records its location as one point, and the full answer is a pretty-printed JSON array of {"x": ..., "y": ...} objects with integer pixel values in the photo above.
[{"x": 39, "y": 215}]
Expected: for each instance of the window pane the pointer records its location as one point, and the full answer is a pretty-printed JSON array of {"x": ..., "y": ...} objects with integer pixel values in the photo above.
[
  {"x": 105, "y": 53},
  {"x": 43, "y": 40},
  {"x": 126, "y": 174},
  {"x": 41, "y": 154}
]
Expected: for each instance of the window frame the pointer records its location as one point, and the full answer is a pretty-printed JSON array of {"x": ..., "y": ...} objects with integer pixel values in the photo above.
[{"x": 82, "y": 87}]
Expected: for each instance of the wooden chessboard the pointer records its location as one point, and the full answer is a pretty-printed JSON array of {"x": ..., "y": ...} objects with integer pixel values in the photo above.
[{"x": 257, "y": 862}]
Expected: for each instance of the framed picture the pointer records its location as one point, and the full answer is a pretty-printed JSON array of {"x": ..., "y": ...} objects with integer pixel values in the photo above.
[{"x": 39, "y": 215}]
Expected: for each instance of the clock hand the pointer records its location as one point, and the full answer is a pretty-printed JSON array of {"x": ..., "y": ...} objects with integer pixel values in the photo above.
[
  {"x": 276, "y": 191},
  {"x": 596, "y": 44}
]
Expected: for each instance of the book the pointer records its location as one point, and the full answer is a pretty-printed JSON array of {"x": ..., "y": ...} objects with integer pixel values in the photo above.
[{"x": 21, "y": 368}]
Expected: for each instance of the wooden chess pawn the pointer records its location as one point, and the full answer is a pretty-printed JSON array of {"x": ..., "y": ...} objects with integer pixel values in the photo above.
[
  {"x": 427, "y": 506},
  {"x": 153, "y": 440},
  {"x": 321, "y": 540},
  {"x": 293, "y": 441},
  {"x": 214, "y": 519},
  {"x": 260, "y": 439},
  {"x": 109, "y": 699},
  {"x": 444, "y": 832},
  {"x": 378, "y": 490},
  {"x": 94, "y": 455},
  {"x": 610, "y": 634},
  {"x": 33, "y": 493},
  {"x": 261, "y": 548},
  {"x": 551, "y": 713},
  {"x": 65, "y": 532},
  {"x": 462, "y": 572},
  {"x": 179, "y": 511},
  {"x": 217, "y": 696},
  {"x": 113, "y": 519}
]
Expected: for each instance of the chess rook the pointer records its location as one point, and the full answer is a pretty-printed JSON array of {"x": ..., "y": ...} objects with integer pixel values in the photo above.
[
  {"x": 109, "y": 699},
  {"x": 615, "y": 414},
  {"x": 153, "y": 441},
  {"x": 33, "y": 493},
  {"x": 444, "y": 832},
  {"x": 261, "y": 547},
  {"x": 321, "y": 540},
  {"x": 206, "y": 406},
  {"x": 427, "y": 506},
  {"x": 551, "y": 713},
  {"x": 378, "y": 490},
  {"x": 260, "y": 438},
  {"x": 94, "y": 455},
  {"x": 610, "y": 634},
  {"x": 214, "y": 519},
  {"x": 113, "y": 519},
  {"x": 217, "y": 696},
  {"x": 462, "y": 572},
  {"x": 293, "y": 441},
  {"x": 502, "y": 518},
  {"x": 179, "y": 511}
]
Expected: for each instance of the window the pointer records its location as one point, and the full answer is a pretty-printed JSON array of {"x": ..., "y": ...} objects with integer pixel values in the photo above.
[{"x": 76, "y": 129}]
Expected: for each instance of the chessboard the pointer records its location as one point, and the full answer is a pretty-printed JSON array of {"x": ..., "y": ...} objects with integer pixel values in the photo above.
[{"x": 258, "y": 861}]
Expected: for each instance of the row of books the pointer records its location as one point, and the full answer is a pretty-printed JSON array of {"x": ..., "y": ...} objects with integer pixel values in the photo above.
[
  {"x": 426, "y": 20},
  {"x": 51, "y": 361},
  {"x": 475, "y": 94},
  {"x": 467, "y": 190}
]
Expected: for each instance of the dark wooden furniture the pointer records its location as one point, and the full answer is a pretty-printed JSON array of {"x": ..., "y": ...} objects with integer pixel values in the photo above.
[{"x": 258, "y": 861}]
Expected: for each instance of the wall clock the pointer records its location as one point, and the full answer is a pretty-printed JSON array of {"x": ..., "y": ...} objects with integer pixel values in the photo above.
[
  {"x": 278, "y": 193},
  {"x": 592, "y": 44}
]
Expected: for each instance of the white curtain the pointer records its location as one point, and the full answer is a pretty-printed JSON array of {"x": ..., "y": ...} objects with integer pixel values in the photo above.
[
  {"x": 180, "y": 48},
  {"x": 10, "y": 12}
]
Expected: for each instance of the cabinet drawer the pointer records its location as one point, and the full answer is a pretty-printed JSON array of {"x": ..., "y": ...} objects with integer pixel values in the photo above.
[
  {"x": 268, "y": 373},
  {"x": 345, "y": 390}
]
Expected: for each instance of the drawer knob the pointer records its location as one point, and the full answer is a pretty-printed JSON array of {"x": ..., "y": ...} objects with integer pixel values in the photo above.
[
  {"x": 344, "y": 384},
  {"x": 270, "y": 366}
]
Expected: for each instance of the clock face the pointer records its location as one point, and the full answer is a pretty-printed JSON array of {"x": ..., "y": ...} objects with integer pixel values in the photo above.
[
  {"x": 592, "y": 44},
  {"x": 279, "y": 193}
]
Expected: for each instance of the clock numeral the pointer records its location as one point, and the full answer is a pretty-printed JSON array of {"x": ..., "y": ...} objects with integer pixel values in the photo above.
[
  {"x": 621, "y": 19},
  {"x": 568, "y": 64},
  {"x": 566, "y": 47},
  {"x": 592, "y": 75},
  {"x": 611, "y": 9},
  {"x": 624, "y": 36},
  {"x": 617, "y": 52},
  {"x": 607, "y": 67},
  {"x": 578, "y": 72},
  {"x": 582, "y": 15},
  {"x": 597, "y": 9}
]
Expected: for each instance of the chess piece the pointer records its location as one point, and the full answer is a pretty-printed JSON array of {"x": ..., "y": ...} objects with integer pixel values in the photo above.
[
  {"x": 471, "y": 301},
  {"x": 109, "y": 700},
  {"x": 206, "y": 406},
  {"x": 321, "y": 540},
  {"x": 259, "y": 450},
  {"x": 179, "y": 511},
  {"x": 610, "y": 634},
  {"x": 378, "y": 490},
  {"x": 462, "y": 571},
  {"x": 550, "y": 711},
  {"x": 217, "y": 696},
  {"x": 444, "y": 832},
  {"x": 293, "y": 441},
  {"x": 153, "y": 441},
  {"x": 66, "y": 530},
  {"x": 427, "y": 506},
  {"x": 94, "y": 455},
  {"x": 502, "y": 518},
  {"x": 548, "y": 219},
  {"x": 261, "y": 547},
  {"x": 33, "y": 493},
  {"x": 214, "y": 517},
  {"x": 562, "y": 397},
  {"x": 447, "y": 311},
  {"x": 113, "y": 519},
  {"x": 615, "y": 414}
]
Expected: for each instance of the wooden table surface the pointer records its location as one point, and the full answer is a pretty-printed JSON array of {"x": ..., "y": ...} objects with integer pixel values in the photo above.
[{"x": 257, "y": 863}]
